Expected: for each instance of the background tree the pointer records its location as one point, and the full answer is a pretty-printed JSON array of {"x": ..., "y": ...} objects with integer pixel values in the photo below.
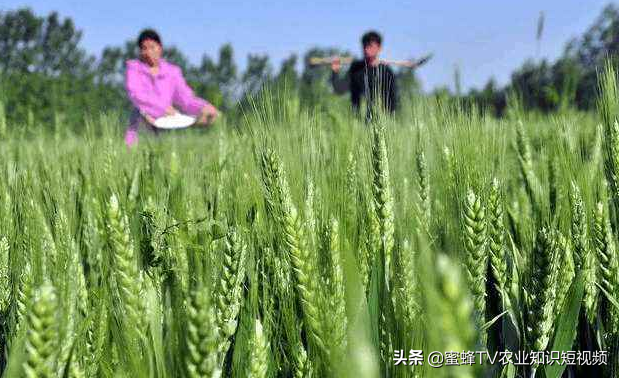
[
  {"x": 288, "y": 74},
  {"x": 257, "y": 73},
  {"x": 49, "y": 45}
]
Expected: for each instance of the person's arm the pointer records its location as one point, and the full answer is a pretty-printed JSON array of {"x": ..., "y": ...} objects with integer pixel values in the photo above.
[
  {"x": 184, "y": 97},
  {"x": 145, "y": 101}
]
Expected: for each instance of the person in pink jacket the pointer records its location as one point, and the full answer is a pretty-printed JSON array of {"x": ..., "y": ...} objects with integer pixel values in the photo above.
[{"x": 157, "y": 87}]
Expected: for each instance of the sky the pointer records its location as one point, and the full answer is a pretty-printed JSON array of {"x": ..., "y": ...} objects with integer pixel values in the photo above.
[{"x": 483, "y": 38}]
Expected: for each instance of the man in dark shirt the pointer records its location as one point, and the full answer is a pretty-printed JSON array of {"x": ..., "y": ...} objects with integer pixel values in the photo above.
[{"x": 367, "y": 77}]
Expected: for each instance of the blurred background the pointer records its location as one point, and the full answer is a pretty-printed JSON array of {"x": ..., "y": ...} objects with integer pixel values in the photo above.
[{"x": 70, "y": 56}]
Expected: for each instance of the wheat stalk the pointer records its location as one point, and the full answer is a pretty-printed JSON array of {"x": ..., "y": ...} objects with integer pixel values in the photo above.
[{"x": 450, "y": 162}]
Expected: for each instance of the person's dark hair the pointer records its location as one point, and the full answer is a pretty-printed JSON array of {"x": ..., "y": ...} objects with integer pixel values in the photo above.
[
  {"x": 148, "y": 34},
  {"x": 371, "y": 36}
]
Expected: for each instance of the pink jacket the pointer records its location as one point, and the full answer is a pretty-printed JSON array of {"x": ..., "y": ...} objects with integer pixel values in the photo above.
[{"x": 153, "y": 94}]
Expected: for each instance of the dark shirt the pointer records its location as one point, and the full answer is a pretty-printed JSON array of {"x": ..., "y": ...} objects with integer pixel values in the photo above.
[{"x": 363, "y": 80}]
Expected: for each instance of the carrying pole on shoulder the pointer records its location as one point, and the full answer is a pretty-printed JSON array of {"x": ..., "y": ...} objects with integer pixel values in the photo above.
[{"x": 319, "y": 61}]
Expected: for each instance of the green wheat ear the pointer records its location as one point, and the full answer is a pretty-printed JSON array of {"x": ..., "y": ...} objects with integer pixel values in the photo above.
[
  {"x": 24, "y": 296},
  {"x": 609, "y": 111},
  {"x": 352, "y": 183},
  {"x": 258, "y": 362},
  {"x": 424, "y": 185},
  {"x": 124, "y": 262},
  {"x": 229, "y": 288},
  {"x": 406, "y": 295},
  {"x": 567, "y": 271},
  {"x": 302, "y": 365},
  {"x": 42, "y": 334},
  {"x": 474, "y": 223},
  {"x": 584, "y": 257},
  {"x": 455, "y": 310},
  {"x": 607, "y": 256},
  {"x": 202, "y": 337},
  {"x": 304, "y": 266},
  {"x": 496, "y": 238},
  {"x": 336, "y": 320},
  {"x": 542, "y": 289},
  {"x": 309, "y": 211},
  {"x": 270, "y": 169},
  {"x": 530, "y": 180},
  {"x": 76, "y": 370},
  {"x": 383, "y": 199},
  {"x": 579, "y": 226},
  {"x": 96, "y": 334},
  {"x": 5, "y": 291},
  {"x": 302, "y": 257}
]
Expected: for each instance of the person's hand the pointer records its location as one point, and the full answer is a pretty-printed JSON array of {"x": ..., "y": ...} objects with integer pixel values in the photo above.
[
  {"x": 336, "y": 64},
  {"x": 208, "y": 115},
  {"x": 171, "y": 110},
  {"x": 149, "y": 119}
]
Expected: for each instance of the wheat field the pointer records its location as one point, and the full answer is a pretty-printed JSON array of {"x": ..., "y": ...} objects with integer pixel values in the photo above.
[{"x": 311, "y": 244}]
